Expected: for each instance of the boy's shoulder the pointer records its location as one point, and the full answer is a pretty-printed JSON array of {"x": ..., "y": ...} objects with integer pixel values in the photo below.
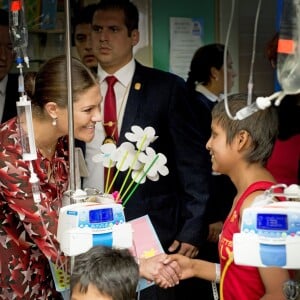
[{"x": 252, "y": 193}]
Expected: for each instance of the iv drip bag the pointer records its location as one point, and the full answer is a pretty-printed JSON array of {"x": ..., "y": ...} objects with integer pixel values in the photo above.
[
  {"x": 26, "y": 129},
  {"x": 18, "y": 30},
  {"x": 288, "y": 51}
]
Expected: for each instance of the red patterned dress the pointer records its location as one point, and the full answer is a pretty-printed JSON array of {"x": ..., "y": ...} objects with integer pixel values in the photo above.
[{"x": 27, "y": 235}]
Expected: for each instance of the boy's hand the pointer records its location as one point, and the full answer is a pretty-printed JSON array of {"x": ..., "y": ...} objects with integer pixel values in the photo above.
[{"x": 154, "y": 269}]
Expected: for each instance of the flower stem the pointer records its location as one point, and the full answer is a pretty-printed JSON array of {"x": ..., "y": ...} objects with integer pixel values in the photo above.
[
  {"x": 118, "y": 171},
  {"x": 108, "y": 176},
  {"x": 131, "y": 183},
  {"x": 142, "y": 177}
]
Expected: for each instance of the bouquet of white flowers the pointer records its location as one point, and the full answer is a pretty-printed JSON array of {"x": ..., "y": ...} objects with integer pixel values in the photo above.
[{"x": 136, "y": 157}]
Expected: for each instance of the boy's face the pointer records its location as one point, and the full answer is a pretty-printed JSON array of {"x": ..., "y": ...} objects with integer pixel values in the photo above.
[
  {"x": 222, "y": 153},
  {"x": 92, "y": 294}
]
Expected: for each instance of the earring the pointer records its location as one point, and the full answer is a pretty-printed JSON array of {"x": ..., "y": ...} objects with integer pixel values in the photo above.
[{"x": 54, "y": 121}]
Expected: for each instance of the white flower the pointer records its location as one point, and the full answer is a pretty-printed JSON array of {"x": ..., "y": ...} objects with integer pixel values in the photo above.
[
  {"x": 135, "y": 156},
  {"x": 143, "y": 138},
  {"x": 105, "y": 157},
  {"x": 126, "y": 157},
  {"x": 139, "y": 175},
  {"x": 154, "y": 164}
]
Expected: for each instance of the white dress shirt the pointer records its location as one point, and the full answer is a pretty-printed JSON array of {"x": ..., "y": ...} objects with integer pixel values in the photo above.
[
  {"x": 121, "y": 88},
  {"x": 208, "y": 94}
]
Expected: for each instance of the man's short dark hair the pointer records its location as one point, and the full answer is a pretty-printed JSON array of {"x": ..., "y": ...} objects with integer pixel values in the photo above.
[
  {"x": 130, "y": 11},
  {"x": 82, "y": 16}
]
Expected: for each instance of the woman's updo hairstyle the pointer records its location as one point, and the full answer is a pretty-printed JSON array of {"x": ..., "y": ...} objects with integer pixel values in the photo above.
[
  {"x": 206, "y": 57},
  {"x": 49, "y": 84}
]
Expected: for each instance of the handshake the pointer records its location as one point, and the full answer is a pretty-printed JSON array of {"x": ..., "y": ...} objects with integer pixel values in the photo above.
[{"x": 166, "y": 270}]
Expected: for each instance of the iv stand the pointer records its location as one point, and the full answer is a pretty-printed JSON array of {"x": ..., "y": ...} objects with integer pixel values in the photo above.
[{"x": 72, "y": 175}]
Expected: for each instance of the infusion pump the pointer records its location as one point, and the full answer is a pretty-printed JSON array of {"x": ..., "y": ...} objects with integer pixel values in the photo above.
[
  {"x": 87, "y": 224},
  {"x": 270, "y": 236}
]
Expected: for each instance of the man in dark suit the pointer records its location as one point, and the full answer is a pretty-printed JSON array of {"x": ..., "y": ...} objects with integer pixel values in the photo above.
[
  {"x": 150, "y": 97},
  {"x": 8, "y": 82}
]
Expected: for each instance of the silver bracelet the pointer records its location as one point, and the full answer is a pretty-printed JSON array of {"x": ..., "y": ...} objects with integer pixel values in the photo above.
[
  {"x": 215, "y": 290},
  {"x": 218, "y": 273}
]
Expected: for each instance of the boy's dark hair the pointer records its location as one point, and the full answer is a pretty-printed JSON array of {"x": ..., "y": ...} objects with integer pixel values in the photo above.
[
  {"x": 4, "y": 18},
  {"x": 114, "y": 272},
  {"x": 130, "y": 10},
  {"x": 262, "y": 126}
]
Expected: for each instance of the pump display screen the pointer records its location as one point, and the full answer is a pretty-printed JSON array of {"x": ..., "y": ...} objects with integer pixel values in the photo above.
[
  {"x": 101, "y": 215},
  {"x": 272, "y": 221}
]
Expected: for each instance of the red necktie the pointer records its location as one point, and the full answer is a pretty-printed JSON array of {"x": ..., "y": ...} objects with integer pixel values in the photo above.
[
  {"x": 110, "y": 124},
  {"x": 110, "y": 111}
]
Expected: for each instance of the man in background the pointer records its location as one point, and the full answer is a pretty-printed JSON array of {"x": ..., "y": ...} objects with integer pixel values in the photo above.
[
  {"x": 82, "y": 29},
  {"x": 82, "y": 36},
  {"x": 8, "y": 82}
]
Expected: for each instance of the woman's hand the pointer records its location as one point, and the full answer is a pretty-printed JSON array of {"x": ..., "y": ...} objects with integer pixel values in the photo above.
[
  {"x": 185, "y": 264},
  {"x": 154, "y": 269}
]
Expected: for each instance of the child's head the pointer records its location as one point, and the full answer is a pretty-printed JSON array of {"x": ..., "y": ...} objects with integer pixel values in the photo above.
[
  {"x": 104, "y": 273},
  {"x": 261, "y": 127}
]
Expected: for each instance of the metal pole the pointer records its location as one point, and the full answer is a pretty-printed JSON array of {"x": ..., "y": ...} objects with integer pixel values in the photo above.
[{"x": 72, "y": 176}]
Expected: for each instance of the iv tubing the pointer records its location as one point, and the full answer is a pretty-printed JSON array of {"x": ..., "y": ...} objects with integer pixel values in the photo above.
[
  {"x": 225, "y": 62},
  {"x": 250, "y": 83},
  {"x": 223, "y": 273},
  {"x": 260, "y": 102}
]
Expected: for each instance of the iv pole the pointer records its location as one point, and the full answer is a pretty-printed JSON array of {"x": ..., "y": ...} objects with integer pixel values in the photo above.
[{"x": 70, "y": 96}]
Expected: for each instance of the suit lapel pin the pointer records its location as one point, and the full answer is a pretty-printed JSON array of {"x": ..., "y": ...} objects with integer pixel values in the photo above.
[{"x": 137, "y": 86}]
